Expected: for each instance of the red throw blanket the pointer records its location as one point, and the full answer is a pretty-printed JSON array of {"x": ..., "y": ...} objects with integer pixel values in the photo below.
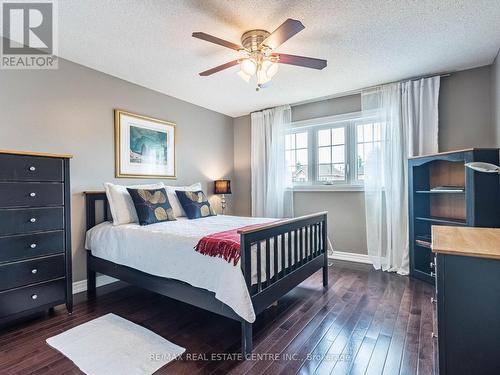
[{"x": 223, "y": 244}]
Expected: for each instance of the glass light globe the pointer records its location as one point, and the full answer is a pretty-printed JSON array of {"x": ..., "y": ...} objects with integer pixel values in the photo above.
[
  {"x": 270, "y": 68},
  {"x": 245, "y": 77},
  {"x": 248, "y": 67},
  {"x": 262, "y": 77}
]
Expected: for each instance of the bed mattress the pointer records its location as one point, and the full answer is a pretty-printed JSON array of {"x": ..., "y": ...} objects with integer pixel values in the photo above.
[{"x": 167, "y": 250}]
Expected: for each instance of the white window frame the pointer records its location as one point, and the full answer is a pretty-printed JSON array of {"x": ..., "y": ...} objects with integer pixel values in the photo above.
[{"x": 349, "y": 121}]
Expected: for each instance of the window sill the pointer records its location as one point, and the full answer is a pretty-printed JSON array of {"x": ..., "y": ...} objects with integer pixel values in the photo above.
[{"x": 320, "y": 188}]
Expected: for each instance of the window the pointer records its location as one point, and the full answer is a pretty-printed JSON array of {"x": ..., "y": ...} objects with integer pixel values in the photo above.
[
  {"x": 332, "y": 150},
  {"x": 296, "y": 149},
  {"x": 331, "y": 154},
  {"x": 368, "y": 136}
]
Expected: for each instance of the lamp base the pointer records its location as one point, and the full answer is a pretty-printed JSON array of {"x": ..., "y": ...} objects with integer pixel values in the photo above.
[{"x": 223, "y": 203}]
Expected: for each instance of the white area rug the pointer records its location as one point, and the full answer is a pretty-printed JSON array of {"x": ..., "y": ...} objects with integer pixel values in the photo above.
[{"x": 113, "y": 345}]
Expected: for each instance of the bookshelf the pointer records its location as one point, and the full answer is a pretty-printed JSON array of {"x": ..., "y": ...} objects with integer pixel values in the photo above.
[{"x": 442, "y": 191}]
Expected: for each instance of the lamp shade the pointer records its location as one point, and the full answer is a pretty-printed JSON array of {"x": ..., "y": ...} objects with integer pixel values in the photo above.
[{"x": 222, "y": 187}]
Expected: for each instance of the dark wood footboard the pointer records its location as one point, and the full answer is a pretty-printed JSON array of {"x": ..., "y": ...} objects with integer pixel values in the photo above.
[{"x": 286, "y": 253}]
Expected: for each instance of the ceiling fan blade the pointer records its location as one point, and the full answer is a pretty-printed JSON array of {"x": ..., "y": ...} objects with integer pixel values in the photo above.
[
  {"x": 219, "y": 41},
  {"x": 284, "y": 32},
  {"x": 306, "y": 62},
  {"x": 219, "y": 68}
]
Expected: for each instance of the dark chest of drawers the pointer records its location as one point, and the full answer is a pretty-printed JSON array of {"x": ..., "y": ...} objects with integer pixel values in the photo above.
[{"x": 35, "y": 233}]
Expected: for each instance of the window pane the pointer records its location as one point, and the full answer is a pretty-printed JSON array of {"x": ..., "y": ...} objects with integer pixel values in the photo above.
[
  {"x": 324, "y": 155},
  {"x": 338, "y": 136},
  {"x": 300, "y": 173},
  {"x": 301, "y": 140},
  {"x": 324, "y": 137},
  {"x": 288, "y": 157},
  {"x": 301, "y": 157},
  {"x": 338, "y": 154},
  {"x": 338, "y": 172},
  {"x": 324, "y": 172},
  {"x": 368, "y": 133}
]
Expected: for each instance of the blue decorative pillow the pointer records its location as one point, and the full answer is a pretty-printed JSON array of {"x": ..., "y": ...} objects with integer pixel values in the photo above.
[
  {"x": 195, "y": 203},
  {"x": 152, "y": 205}
]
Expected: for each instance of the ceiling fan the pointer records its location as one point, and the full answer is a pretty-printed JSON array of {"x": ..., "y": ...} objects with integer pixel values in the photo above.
[{"x": 258, "y": 56}]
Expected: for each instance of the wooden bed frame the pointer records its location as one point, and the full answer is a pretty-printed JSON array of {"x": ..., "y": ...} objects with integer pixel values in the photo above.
[{"x": 308, "y": 247}]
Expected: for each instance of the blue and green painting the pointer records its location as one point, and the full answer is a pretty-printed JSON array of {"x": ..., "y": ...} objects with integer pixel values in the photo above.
[{"x": 148, "y": 146}]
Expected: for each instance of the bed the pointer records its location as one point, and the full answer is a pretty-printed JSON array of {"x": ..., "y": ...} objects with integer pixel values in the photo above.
[{"x": 275, "y": 257}]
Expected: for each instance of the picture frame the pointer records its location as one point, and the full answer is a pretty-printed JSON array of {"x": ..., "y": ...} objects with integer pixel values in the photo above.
[{"x": 144, "y": 146}]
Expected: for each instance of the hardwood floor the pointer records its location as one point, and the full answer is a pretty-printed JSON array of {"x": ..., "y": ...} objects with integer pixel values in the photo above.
[{"x": 367, "y": 322}]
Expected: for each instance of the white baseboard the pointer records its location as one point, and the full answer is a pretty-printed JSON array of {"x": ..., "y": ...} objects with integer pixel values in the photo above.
[
  {"x": 81, "y": 286},
  {"x": 351, "y": 257}
]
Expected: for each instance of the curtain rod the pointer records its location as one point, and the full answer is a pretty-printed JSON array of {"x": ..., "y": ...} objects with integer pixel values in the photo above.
[{"x": 358, "y": 91}]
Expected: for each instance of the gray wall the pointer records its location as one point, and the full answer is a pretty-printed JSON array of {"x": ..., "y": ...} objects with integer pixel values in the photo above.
[
  {"x": 70, "y": 110},
  {"x": 465, "y": 110},
  {"x": 465, "y": 120}
]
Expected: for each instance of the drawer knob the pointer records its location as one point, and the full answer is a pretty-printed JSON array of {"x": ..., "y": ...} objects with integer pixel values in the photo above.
[
  {"x": 433, "y": 300},
  {"x": 32, "y": 195},
  {"x": 34, "y": 296},
  {"x": 33, "y": 245},
  {"x": 34, "y": 271},
  {"x": 32, "y": 168},
  {"x": 33, "y": 220}
]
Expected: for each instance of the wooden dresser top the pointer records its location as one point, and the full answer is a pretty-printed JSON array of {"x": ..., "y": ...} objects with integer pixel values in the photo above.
[
  {"x": 30, "y": 153},
  {"x": 466, "y": 241}
]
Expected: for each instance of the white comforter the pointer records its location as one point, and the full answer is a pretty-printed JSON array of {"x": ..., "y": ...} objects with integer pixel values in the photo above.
[{"x": 167, "y": 250}]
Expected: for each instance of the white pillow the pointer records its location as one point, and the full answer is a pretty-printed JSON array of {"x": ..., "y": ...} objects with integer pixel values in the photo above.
[
  {"x": 120, "y": 202},
  {"x": 174, "y": 201}
]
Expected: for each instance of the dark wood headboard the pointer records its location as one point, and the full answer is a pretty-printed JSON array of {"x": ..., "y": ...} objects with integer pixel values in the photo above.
[{"x": 92, "y": 198}]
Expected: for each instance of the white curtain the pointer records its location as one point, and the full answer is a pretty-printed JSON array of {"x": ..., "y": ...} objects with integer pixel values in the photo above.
[
  {"x": 408, "y": 114},
  {"x": 271, "y": 181}
]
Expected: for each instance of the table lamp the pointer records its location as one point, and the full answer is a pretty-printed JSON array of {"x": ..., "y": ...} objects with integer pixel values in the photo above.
[{"x": 222, "y": 187}]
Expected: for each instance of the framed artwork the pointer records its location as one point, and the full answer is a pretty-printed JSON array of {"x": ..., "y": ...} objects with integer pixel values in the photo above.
[{"x": 144, "y": 146}]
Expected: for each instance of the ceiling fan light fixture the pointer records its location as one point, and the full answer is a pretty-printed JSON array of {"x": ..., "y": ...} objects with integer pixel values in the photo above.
[
  {"x": 270, "y": 67},
  {"x": 262, "y": 77},
  {"x": 245, "y": 77},
  {"x": 248, "y": 66}
]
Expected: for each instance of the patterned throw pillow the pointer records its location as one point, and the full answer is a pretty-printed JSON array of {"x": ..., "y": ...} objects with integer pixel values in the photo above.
[
  {"x": 195, "y": 203},
  {"x": 152, "y": 205}
]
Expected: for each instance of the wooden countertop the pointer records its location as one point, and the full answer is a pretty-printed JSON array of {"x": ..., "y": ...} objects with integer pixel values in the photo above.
[
  {"x": 466, "y": 241},
  {"x": 30, "y": 153}
]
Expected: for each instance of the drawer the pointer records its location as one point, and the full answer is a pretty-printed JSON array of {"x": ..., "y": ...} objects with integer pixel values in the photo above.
[
  {"x": 31, "y": 194},
  {"x": 18, "y": 221},
  {"x": 22, "y": 299},
  {"x": 14, "y": 275},
  {"x": 19, "y": 247},
  {"x": 30, "y": 168}
]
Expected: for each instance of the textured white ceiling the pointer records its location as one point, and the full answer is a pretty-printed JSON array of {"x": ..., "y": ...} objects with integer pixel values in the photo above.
[{"x": 365, "y": 42}]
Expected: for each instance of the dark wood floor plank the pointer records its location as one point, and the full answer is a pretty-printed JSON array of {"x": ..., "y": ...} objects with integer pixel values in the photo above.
[
  {"x": 302, "y": 320},
  {"x": 377, "y": 321},
  {"x": 388, "y": 306},
  {"x": 395, "y": 351},
  {"x": 425, "y": 341},
  {"x": 410, "y": 351}
]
